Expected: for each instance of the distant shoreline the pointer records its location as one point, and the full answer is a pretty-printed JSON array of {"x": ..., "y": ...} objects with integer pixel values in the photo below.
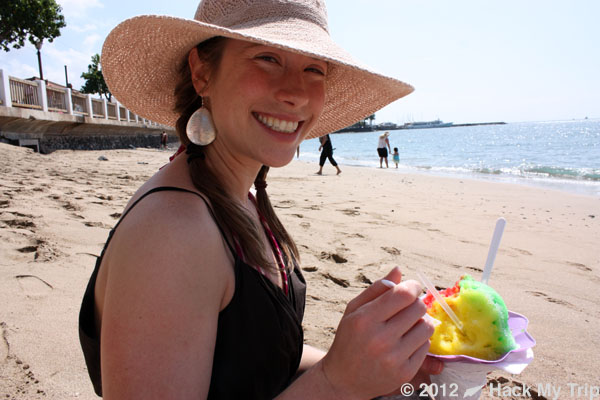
[{"x": 401, "y": 127}]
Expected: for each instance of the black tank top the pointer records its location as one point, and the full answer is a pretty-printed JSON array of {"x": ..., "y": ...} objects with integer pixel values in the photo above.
[{"x": 259, "y": 333}]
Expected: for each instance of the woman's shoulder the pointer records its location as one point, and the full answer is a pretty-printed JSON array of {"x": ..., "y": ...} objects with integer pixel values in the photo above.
[
  {"x": 170, "y": 236},
  {"x": 167, "y": 228},
  {"x": 169, "y": 213}
]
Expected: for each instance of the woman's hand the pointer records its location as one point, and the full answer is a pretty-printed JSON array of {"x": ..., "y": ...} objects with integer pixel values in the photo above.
[{"x": 381, "y": 341}]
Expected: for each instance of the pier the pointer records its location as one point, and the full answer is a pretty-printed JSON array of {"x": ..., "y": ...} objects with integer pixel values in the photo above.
[{"x": 48, "y": 117}]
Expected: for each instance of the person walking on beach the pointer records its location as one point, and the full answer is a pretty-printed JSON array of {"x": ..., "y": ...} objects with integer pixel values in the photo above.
[
  {"x": 326, "y": 153},
  {"x": 163, "y": 140},
  {"x": 382, "y": 149},
  {"x": 396, "y": 157},
  {"x": 198, "y": 292}
]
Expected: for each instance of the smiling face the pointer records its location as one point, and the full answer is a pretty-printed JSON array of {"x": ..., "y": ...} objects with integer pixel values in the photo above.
[{"x": 263, "y": 100}]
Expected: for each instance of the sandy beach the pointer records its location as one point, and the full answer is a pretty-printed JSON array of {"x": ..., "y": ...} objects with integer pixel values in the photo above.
[{"x": 56, "y": 211}]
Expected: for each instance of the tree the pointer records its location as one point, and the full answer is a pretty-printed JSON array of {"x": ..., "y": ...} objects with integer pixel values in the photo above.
[
  {"x": 371, "y": 118},
  {"x": 94, "y": 80},
  {"x": 33, "y": 20}
]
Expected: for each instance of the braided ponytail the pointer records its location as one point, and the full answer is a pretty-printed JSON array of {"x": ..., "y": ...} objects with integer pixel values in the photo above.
[{"x": 263, "y": 202}]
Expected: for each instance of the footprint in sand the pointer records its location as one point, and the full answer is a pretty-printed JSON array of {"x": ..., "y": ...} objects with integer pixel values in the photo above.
[
  {"x": 314, "y": 207},
  {"x": 24, "y": 380},
  {"x": 44, "y": 251},
  {"x": 418, "y": 224},
  {"x": 20, "y": 223},
  {"x": 333, "y": 256},
  {"x": 96, "y": 224},
  {"x": 474, "y": 269},
  {"x": 4, "y": 346},
  {"x": 285, "y": 204},
  {"x": 551, "y": 299},
  {"x": 579, "y": 266},
  {"x": 67, "y": 205},
  {"x": 355, "y": 235},
  {"x": 392, "y": 250},
  {"x": 351, "y": 212},
  {"x": 338, "y": 281},
  {"x": 521, "y": 251},
  {"x": 363, "y": 279},
  {"x": 34, "y": 286}
]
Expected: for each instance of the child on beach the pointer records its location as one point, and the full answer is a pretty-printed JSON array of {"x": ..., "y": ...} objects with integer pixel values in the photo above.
[
  {"x": 396, "y": 156},
  {"x": 198, "y": 292}
]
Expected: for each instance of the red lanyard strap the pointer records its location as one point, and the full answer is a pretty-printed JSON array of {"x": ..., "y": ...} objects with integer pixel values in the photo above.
[{"x": 274, "y": 245}]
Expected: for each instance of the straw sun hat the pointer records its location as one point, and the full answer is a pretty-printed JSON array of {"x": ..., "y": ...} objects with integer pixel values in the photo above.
[{"x": 142, "y": 55}]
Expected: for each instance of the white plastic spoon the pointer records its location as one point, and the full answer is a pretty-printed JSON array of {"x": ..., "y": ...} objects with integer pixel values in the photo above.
[{"x": 489, "y": 263}]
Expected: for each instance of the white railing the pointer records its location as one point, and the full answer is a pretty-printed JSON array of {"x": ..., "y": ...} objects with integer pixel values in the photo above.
[
  {"x": 57, "y": 100},
  {"x": 24, "y": 94},
  {"x": 36, "y": 95}
]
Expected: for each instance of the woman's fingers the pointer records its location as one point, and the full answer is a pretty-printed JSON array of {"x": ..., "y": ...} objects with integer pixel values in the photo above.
[
  {"x": 402, "y": 322},
  {"x": 375, "y": 290},
  {"x": 418, "y": 357},
  {"x": 393, "y": 301},
  {"x": 414, "y": 338}
]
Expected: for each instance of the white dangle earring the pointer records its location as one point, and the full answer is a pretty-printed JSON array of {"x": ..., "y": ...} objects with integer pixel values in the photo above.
[{"x": 200, "y": 128}]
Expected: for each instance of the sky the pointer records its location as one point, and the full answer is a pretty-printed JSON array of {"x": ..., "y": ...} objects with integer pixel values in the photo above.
[{"x": 469, "y": 60}]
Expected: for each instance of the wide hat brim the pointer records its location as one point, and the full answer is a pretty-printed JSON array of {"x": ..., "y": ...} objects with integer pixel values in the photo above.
[{"x": 141, "y": 58}]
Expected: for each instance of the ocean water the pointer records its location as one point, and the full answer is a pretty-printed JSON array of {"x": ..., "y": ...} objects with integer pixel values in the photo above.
[{"x": 563, "y": 155}]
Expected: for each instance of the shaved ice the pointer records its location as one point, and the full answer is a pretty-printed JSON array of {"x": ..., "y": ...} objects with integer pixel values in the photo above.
[{"x": 484, "y": 317}]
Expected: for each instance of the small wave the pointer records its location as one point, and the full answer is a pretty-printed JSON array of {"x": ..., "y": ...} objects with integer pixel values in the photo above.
[
  {"x": 564, "y": 173},
  {"x": 490, "y": 171},
  {"x": 592, "y": 177}
]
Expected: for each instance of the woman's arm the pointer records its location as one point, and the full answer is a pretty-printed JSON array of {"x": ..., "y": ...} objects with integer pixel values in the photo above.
[
  {"x": 310, "y": 356},
  {"x": 161, "y": 300}
]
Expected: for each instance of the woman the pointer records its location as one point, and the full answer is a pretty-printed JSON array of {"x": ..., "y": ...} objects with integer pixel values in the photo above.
[
  {"x": 383, "y": 145},
  {"x": 205, "y": 298},
  {"x": 326, "y": 153}
]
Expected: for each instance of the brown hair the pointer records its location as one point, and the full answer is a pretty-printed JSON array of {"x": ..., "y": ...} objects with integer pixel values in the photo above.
[{"x": 228, "y": 214}]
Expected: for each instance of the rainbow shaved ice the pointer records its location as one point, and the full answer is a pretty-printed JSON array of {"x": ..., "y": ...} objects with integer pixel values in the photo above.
[{"x": 484, "y": 317}]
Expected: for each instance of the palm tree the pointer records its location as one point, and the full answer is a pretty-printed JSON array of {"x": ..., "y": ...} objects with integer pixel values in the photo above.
[{"x": 371, "y": 118}]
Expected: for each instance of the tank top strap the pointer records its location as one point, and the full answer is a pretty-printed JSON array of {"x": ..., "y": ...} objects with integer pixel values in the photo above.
[{"x": 178, "y": 189}]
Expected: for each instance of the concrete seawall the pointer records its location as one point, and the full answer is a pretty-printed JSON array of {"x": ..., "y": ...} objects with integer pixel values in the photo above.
[{"x": 55, "y": 131}]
